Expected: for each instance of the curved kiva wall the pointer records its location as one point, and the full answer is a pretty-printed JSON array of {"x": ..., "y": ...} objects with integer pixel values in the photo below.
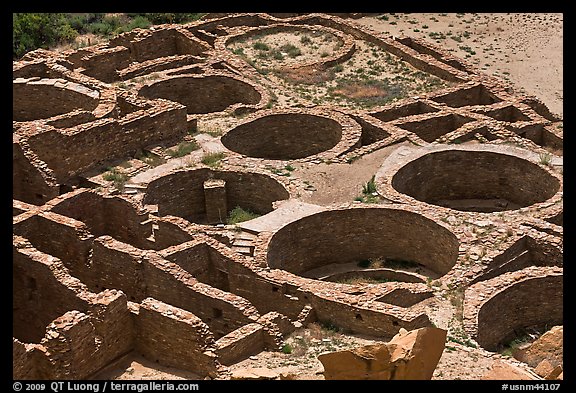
[
  {"x": 480, "y": 181},
  {"x": 45, "y": 98},
  {"x": 534, "y": 302},
  {"x": 203, "y": 94},
  {"x": 345, "y": 236},
  {"x": 284, "y": 136},
  {"x": 183, "y": 193}
]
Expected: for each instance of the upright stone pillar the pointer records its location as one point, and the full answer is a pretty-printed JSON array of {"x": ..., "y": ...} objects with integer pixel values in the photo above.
[{"x": 215, "y": 197}]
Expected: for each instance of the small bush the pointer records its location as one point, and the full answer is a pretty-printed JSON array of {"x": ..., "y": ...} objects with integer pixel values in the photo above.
[
  {"x": 305, "y": 39},
  {"x": 287, "y": 349},
  {"x": 370, "y": 187},
  {"x": 212, "y": 159},
  {"x": 291, "y": 50},
  {"x": 260, "y": 46},
  {"x": 545, "y": 159},
  {"x": 277, "y": 55},
  {"x": 183, "y": 149},
  {"x": 238, "y": 215},
  {"x": 118, "y": 178}
]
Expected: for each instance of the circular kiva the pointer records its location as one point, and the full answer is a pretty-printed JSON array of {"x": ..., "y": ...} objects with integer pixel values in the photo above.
[
  {"x": 207, "y": 196},
  {"x": 36, "y": 99},
  {"x": 340, "y": 51},
  {"x": 480, "y": 181},
  {"x": 203, "y": 94},
  {"x": 293, "y": 134},
  {"x": 532, "y": 303},
  {"x": 325, "y": 242}
]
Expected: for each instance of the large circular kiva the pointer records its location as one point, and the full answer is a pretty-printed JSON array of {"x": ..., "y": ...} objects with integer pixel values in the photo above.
[
  {"x": 205, "y": 94},
  {"x": 481, "y": 181},
  {"x": 284, "y": 136},
  {"x": 348, "y": 236}
]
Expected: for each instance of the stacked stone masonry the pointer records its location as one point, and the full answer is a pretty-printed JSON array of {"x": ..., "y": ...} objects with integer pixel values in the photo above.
[{"x": 102, "y": 270}]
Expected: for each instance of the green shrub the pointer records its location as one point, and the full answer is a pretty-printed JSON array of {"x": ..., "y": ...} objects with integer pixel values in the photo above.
[
  {"x": 238, "y": 215},
  {"x": 212, "y": 159},
  {"x": 287, "y": 349},
  {"x": 183, "y": 148},
  {"x": 291, "y": 50},
  {"x": 370, "y": 187},
  {"x": 260, "y": 46},
  {"x": 118, "y": 178}
]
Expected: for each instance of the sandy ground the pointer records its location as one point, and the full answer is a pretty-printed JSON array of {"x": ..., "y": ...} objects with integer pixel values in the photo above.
[
  {"x": 523, "y": 48},
  {"x": 526, "y": 48}
]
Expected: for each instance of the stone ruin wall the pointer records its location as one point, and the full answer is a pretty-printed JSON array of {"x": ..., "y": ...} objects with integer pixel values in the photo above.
[{"x": 99, "y": 275}]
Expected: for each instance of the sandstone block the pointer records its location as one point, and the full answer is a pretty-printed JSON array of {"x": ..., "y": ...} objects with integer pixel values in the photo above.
[{"x": 409, "y": 355}]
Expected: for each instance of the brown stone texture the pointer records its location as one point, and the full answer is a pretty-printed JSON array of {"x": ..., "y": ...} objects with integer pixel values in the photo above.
[
  {"x": 215, "y": 197},
  {"x": 408, "y": 356},
  {"x": 251, "y": 191},
  {"x": 445, "y": 176},
  {"x": 175, "y": 337},
  {"x": 532, "y": 302},
  {"x": 284, "y": 136},
  {"x": 358, "y": 234},
  {"x": 503, "y": 371},
  {"x": 549, "y": 347},
  {"x": 240, "y": 343},
  {"x": 219, "y": 92}
]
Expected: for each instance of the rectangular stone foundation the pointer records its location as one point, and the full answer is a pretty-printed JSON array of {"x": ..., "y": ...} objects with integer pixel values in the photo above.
[{"x": 216, "y": 205}]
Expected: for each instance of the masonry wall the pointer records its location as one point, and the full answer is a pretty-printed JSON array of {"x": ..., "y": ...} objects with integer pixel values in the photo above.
[
  {"x": 28, "y": 183},
  {"x": 104, "y": 64},
  {"x": 531, "y": 302},
  {"x": 113, "y": 216},
  {"x": 284, "y": 136},
  {"x": 30, "y": 99},
  {"x": 217, "y": 92},
  {"x": 343, "y": 236},
  {"x": 40, "y": 293},
  {"x": 80, "y": 344},
  {"x": 106, "y": 139},
  {"x": 197, "y": 259},
  {"x": 168, "y": 234},
  {"x": 29, "y": 362},
  {"x": 241, "y": 343},
  {"x": 116, "y": 265},
  {"x": 266, "y": 295},
  {"x": 431, "y": 129},
  {"x": 445, "y": 176},
  {"x": 414, "y": 108},
  {"x": 182, "y": 193},
  {"x": 475, "y": 95},
  {"x": 363, "y": 321},
  {"x": 175, "y": 337},
  {"x": 59, "y": 236},
  {"x": 173, "y": 285}
]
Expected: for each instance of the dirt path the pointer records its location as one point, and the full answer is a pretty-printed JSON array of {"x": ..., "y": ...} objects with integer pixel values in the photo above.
[{"x": 341, "y": 183}]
